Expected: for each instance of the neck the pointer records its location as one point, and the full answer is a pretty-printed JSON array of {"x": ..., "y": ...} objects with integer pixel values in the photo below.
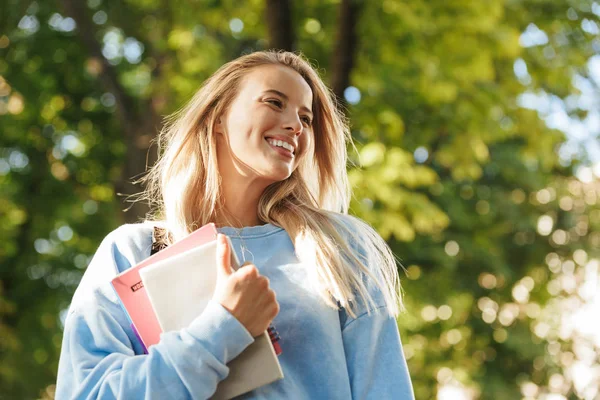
[{"x": 238, "y": 211}]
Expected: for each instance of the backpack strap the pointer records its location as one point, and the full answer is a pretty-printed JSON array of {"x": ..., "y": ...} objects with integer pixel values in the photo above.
[{"x": 157, "y": 243}]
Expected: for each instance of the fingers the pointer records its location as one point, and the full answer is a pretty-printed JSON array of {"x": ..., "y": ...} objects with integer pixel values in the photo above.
[{"x": 223, "y": 255}]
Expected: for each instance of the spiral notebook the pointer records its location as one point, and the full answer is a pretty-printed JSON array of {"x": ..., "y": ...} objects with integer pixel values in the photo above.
[{"x": 179, "y": 289}]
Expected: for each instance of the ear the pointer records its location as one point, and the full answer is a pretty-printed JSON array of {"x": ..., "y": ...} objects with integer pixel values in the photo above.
[{"x": 218, "y": 127}]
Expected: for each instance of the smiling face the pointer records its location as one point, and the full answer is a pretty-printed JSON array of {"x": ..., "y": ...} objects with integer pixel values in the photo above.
[{"x": 273, "y": 103}]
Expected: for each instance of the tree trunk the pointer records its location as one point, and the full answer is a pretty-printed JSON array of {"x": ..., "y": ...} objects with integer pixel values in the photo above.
[
  {"x": 140, "y": 156},
  {"x": 345, "y": 46},
  {"x": 279, "y": 25}
]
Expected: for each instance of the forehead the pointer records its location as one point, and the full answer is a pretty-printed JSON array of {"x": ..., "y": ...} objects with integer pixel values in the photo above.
[{"x": 281, "y": 78}]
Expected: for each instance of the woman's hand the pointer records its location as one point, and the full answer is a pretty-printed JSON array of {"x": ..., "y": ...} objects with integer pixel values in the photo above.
[{"x": 244, "y": 293}]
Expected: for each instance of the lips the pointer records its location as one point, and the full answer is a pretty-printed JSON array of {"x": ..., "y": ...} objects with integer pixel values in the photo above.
[
  {"x": 292, "y": 143},
  {"x": 284, "y": 152},
  {"x": 280, "y": 148}
]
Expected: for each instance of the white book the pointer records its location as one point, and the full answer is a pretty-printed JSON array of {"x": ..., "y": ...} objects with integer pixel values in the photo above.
[{"x": 179, "y": 289}]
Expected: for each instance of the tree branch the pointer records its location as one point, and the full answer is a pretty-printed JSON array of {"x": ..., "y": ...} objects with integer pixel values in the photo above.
[
  {"x": 125, "y": 110},
  {"x": 138, "y": 131}
]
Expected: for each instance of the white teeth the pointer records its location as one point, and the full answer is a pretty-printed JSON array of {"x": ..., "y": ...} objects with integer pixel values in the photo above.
[{"x": 281, "y": 143}]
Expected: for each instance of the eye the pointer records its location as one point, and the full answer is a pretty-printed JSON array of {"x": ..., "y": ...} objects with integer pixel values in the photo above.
[
  {"x": 307, "y": 121},
  {"x": 275, "y": 102}
]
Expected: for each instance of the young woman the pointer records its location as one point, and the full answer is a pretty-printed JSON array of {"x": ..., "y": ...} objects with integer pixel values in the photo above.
[{"x": 260, "y": 151}]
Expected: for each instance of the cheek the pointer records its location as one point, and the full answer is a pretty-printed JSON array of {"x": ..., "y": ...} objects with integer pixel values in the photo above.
[
  {"x": 252, "y": 122},
  {"x": 239, "y": 118},
  {"x": 237, "y": 123},
  {"x": 307, "y": 144},
  {"x": 265, "y": 118}
]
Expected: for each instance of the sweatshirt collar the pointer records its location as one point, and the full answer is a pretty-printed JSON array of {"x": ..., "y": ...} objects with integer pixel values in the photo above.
[{"x": 249, "y": 231}]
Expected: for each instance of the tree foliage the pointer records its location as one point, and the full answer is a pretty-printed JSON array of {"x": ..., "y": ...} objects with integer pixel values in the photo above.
[{"x": 498, "y": 239}]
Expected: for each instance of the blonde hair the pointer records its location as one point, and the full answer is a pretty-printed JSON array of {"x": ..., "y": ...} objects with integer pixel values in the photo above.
[{"x": 346, "y": 257}]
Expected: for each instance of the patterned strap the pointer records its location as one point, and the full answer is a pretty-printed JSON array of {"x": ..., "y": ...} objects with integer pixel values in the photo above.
[{"x": 157, "y": 243}]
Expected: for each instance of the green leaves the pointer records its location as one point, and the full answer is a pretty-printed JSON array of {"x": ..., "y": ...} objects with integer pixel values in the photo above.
[
  {"x": 385, "y": 191},
  {"x": 455, "y": 173}
]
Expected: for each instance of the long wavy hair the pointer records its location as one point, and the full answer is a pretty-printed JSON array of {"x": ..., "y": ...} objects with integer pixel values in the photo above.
[{"x": 348, "y": 261}]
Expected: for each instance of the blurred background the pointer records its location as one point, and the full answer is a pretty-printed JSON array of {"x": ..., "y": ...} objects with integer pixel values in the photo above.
[{"x": 476, "y": 122}]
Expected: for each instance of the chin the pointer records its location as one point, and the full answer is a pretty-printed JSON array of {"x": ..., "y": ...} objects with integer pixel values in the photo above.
[{"x": 278, "y": 176}]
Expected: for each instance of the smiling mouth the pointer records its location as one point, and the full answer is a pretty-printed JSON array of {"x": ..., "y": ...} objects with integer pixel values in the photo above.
[{"x": 289, "y": 153}]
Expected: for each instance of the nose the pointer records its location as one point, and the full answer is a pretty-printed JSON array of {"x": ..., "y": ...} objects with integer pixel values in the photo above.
[{"x": 293, "y": 124}]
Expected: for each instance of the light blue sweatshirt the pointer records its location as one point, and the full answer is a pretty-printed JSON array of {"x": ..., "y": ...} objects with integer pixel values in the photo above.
[{"x": 326, "y": 353}]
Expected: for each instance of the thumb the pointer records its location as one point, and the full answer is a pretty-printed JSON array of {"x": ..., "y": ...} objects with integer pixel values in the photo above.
[{"x": 223, "y": 256}]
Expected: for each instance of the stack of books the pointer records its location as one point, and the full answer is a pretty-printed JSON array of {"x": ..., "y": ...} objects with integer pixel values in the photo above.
[{"x": 171, "y": 288}]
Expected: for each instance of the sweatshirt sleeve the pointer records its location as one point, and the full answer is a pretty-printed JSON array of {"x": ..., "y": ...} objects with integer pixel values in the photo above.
[
  {"x": 376, "y": 365},
  {"x": 98, "y": 360}
]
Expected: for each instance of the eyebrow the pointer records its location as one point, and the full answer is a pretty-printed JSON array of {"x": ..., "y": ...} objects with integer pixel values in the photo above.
[{"x": 286, "y": 98}]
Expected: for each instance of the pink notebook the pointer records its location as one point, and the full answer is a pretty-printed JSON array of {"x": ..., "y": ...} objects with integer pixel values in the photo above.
[{"x": 130, "y": 289}]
